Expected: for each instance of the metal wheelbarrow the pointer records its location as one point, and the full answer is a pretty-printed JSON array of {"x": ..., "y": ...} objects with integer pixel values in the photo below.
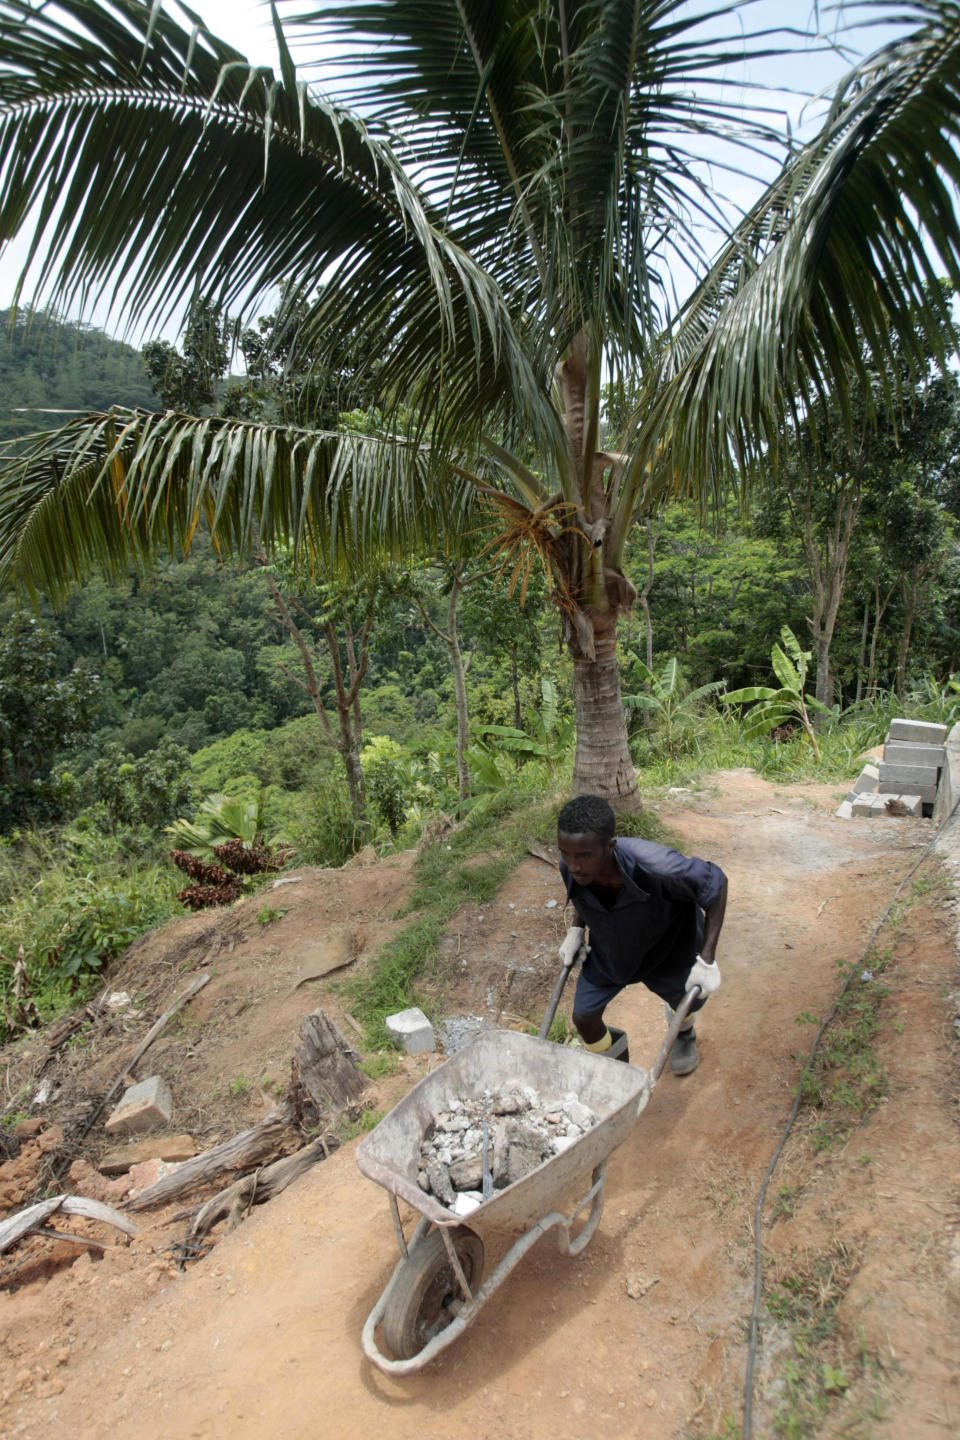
[{"x": 437, "y": 1288}]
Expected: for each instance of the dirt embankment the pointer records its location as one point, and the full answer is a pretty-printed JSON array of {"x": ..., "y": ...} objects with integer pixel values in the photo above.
[{"x": 644, "y": 1335}]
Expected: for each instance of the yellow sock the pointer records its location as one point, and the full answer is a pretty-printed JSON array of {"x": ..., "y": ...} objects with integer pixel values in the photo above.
[{"x": 602, "y": 1044}]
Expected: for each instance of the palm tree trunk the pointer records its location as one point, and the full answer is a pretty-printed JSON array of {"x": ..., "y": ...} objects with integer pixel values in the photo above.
[
  {"x": 588, "y": 558},
  {"x": 603, "y": 765}
]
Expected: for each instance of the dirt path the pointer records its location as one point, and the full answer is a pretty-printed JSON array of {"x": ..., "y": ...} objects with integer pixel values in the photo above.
[{"x": 643, "y": 1336}]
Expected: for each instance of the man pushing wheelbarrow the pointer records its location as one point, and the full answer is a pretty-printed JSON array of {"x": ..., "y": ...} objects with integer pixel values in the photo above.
[{"x": 654, "y": 917}]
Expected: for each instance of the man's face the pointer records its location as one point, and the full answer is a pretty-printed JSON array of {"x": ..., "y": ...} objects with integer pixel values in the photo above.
[{"x": 587, "y": 857}]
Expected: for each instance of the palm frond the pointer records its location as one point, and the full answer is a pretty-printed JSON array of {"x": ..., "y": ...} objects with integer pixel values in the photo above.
[
  {"x": 566, "y": 143},
  {"x": 840, "y": 260},
  {"x": 111, "y": 489},
  {"x": 157, "y": 153}
]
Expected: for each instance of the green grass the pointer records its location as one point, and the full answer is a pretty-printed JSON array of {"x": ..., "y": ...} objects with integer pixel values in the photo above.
[
  {"x": 467, "y": 866},
  {"x": 847, "y": 1080},
  {"x": 819, "y": 1372},
  {"x": 72, "y": 904}
]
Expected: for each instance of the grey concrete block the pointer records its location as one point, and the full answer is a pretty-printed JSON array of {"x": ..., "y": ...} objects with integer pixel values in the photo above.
[
  {"x": 907, "y": 775},
  {"x": 867, "y": 779},
  {"x": 927, "y": 793},
  {"x": 145, "y": 1106},
  {"x": 909, "y": 752},
  {"x": 844, "y": 810},
  {"x": 925, "y": 732},
  {"x": 868, "y": 805},
  {"x": 413, "y": 1031}
]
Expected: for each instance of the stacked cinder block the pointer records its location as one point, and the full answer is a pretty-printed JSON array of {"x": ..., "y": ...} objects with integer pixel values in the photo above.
[{"x": 905, "y": 781}]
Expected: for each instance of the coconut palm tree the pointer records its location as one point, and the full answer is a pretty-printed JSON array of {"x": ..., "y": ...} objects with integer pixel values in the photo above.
[{"x": 498, "y": 219}]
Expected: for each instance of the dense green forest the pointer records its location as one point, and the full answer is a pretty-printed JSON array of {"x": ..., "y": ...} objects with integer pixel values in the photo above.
[
  {"x": 47, "y": 365},
  {"x": 206, "y": 698}
]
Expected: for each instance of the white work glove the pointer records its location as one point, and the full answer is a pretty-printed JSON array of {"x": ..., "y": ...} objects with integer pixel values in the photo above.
[
  {"x": 572, "y": 945},
  {"x": 704, "y": 974}
]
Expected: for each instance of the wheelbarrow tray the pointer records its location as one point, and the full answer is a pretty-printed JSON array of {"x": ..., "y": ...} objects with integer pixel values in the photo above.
[{"x": 497, "y": 1061}]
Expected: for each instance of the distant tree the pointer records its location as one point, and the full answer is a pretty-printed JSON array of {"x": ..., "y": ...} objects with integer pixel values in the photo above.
[
  {"x": 151, "y": 789},
  {"x": 719, "y": 596},
  {"x": 189, "y": 379},
  {"x": 331, "y": 626},
  {"x": 283, "y": 384},
  {"x": 828, "y": 473},
  {"x": 504, "y": 619},
  {"x": 44, "y": 713}
]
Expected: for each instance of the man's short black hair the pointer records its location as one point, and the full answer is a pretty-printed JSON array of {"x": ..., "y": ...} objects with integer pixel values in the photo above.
[{"x": 588, "y": 815}]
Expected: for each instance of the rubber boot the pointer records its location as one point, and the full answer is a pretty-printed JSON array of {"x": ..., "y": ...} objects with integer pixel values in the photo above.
[{"x": 684, "y": 1056}]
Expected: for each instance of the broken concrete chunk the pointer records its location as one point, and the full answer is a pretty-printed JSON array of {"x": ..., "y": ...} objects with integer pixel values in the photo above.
[
  {"x": 412, "y": 1030},
  {"x": 170, "y": 1148},
  {"x": 467, "y": 1174},
  {"x": 509, "y": 1102},
  {"x": 579, "y": 1114},
  {"x": 440, "y": 1185},
  {"x": 517, "y": 1149},
  {"x": 145, "y": 1106},
  {"x": 452, "y": 1124}
]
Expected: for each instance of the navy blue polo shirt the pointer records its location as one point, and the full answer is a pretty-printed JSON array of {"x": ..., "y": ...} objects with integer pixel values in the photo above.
[{"x": 656, "y": 917}]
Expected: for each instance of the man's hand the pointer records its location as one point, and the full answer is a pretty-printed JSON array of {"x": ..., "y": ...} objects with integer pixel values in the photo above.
[
  {"x": 572, "y": 945},
  {"x": 705, "y": 974}
]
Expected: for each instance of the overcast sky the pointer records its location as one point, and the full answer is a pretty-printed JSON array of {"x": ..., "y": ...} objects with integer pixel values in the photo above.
[{"x": 246, "y": 25}]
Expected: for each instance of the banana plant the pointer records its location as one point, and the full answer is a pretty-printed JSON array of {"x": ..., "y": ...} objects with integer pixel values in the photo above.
[
  {"x": 673, "y": 709},
  {"x": 548, "y": 735},
  {"x": 773, "y": 707}
]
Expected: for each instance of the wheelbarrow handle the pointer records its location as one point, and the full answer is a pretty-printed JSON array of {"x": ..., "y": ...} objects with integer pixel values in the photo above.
[
  {"x": 554, "y": 1000},
  {"x": 679, "y": 1016}
]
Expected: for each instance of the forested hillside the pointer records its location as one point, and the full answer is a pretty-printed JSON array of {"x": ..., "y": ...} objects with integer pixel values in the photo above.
[
  {"x": 46, "y": 364},
  {"x": 249, "y": 696}
]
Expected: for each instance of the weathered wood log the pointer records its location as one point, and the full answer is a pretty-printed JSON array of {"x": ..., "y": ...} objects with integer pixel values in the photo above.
[
  {"x": 34, "y": 1216},
  {"x": 325, "y": 1082},
  {"x": 326, "y": 1078},
  {"x": 245, "y": 1151},
  {"x": 254, "y": 1189}
]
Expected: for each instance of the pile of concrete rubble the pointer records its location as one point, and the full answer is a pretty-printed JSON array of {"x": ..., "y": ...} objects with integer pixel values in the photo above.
[{"x": 483, "y": 1144}]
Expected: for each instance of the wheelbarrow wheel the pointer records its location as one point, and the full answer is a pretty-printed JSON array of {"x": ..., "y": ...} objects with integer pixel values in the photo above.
[{"x": 425, "y": 1289}]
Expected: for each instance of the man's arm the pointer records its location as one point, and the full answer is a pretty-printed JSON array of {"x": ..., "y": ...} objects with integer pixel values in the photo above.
[{"x": 713, "y": 924}]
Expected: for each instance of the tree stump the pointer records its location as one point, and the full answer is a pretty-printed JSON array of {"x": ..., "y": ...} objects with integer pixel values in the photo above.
[{"x": 325, "y": 1079}]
